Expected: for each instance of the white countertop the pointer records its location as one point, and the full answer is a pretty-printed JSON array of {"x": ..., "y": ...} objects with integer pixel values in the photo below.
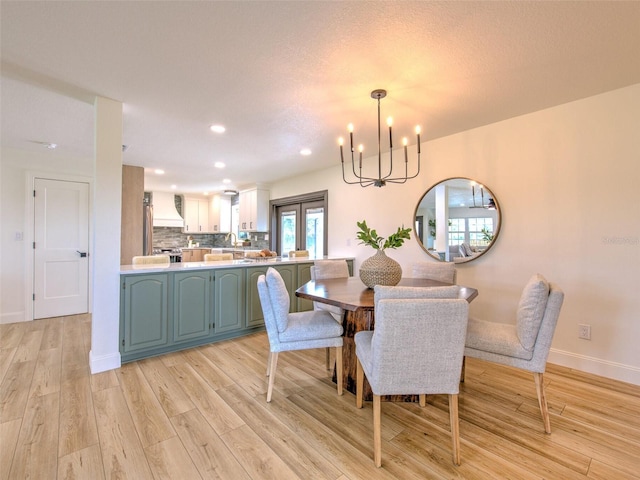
[{"x": 181, "y": 267}]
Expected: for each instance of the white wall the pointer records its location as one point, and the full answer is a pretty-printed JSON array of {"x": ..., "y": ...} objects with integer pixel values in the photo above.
[
  {"x": 13, "y": 195},
  {"x": 566, "y": 179}
]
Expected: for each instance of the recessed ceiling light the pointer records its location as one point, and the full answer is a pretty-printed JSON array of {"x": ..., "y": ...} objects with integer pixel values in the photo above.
[
  {"x": 217, "y": 128},
  {"x": 159, "y": 171},
  {"x": 206, "y": 193},
  {"x": 173, "y": 187},
  {"x": 219, "y": 165},
  {"x": 305, "y": 151},
  {"x": 50, "y": 146},
  {"x": 226, "y": 180}
]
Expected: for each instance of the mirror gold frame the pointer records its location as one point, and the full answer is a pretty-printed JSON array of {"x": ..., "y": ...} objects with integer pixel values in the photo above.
[{"x": 473, "y": 216}]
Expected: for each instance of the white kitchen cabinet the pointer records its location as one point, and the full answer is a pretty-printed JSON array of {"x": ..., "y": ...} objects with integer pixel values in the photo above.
[
  {"x": 220, "y": 214},
  {"x": 196, "y": 215},
  {"x": 254, "y": 210}
]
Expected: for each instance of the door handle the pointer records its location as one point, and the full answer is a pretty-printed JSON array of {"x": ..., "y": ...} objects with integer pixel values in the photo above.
[{"x": 82, "y": 254}]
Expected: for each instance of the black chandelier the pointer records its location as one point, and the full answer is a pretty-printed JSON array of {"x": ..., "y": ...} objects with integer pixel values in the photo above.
[
  {"x": 381, "y": 180},
  {"x": 489, "y": 206}
]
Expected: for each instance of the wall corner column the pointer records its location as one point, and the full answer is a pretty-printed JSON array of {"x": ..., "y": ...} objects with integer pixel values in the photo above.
[{"x": 107, "y": 199}]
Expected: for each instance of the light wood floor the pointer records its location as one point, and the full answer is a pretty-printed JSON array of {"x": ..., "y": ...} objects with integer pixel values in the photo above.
[{"x": 202, "y": 413}]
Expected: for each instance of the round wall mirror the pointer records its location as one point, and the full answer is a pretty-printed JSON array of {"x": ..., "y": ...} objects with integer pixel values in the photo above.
[{"x": 457, "y": 220}]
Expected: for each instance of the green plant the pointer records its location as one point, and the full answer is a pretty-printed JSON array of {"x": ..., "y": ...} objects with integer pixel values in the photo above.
[
  {"x": 432, "y": 227},
  {"x": 487, "y": 236},
  {"x": 370, "y": 237}
]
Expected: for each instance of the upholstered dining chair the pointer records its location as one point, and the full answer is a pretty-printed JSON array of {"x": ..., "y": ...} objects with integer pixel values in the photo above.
[
  {"x": 151, "y": 260},
  {"x": 441, "y": 271},
  {"x": 416, "y": 348},
  {"x": 217, "y": 257},
  {"x": 294, "y": 331},
  {"x": 524, "y": 344},
  {"x": 320, "y": 270},
  {"x": 299, "y": 253}
]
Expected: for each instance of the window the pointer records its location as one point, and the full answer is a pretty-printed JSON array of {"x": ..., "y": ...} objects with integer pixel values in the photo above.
[
  {"x": 477, "y": 232},
  {"x": 457, "y": 229},
  {"x": 477, "y": 229}
]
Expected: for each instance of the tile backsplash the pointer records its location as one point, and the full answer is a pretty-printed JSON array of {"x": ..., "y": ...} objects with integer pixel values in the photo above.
[{"x": 172, "y": 237}]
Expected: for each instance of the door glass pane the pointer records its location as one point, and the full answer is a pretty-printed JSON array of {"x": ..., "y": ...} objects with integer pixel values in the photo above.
[
  {"x": 314, "y": 236},
  {"x": 288, "y": 221}
]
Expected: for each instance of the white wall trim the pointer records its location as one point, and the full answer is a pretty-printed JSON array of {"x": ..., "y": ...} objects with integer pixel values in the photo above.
[
  {"x": 103, "y": 363},
  {"x": 597, "y": 366},
  {"x": 12, "y": 317},
  {"x": 29, "y": 232}
]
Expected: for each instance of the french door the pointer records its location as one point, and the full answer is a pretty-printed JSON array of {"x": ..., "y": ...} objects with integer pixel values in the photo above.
[{"x": 301, "y": 225}]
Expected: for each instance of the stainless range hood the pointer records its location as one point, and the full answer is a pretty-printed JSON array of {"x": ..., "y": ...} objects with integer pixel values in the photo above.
[{"x": 164, "y": 210}]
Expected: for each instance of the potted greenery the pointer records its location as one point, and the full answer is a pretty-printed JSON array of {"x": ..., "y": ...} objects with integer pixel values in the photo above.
[{"x": 380, "y": 269}]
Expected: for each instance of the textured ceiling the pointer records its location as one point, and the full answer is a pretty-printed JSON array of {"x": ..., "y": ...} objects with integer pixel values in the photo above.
[{"x": 282, "y": 76}]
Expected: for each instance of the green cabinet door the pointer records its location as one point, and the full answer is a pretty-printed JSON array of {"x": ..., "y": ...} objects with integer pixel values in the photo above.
[
  {"x": 192, "y": 316},
  {"x": 289, "y": 274},
  {"x": 304, "y": 275},
  {"x": 255, "y": 318},
  {"x": 145, "y": 312},
  {"x": 229, "y": 299}
]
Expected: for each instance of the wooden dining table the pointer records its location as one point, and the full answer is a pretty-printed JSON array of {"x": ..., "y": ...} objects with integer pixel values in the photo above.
[{"x": 357, "y": 301}]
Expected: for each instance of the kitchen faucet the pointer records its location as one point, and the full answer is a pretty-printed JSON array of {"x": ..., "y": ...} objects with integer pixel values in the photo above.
[{"x": 235, "y": 238}]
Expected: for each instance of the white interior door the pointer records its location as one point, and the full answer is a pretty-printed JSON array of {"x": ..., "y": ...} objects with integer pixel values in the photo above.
[{"x": 61, "y": 248}]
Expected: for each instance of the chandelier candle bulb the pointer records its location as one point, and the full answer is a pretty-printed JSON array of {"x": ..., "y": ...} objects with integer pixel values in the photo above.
[
  {"x": 350, "y": 128},
  {"x": 404, "y": 144}
]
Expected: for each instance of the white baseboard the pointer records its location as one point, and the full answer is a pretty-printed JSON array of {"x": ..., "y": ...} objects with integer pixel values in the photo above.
[
  {"x": 104, "y": 363},
  {"x": 12, "y": 317},
  {"x": 597, "y": 366}
]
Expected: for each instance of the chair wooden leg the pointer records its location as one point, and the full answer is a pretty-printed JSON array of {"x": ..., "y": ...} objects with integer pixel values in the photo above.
[
  {"x": 423, "y": 400},
  {"x": 542, "y": 401},
  {"x": 273, "y": 364},
  {"x": 464, "y": 361},
  {"x": 359, "y": 383},
  {"x": 269, "y": 364},
  {"x": 455, "y": 427},
  {"x": 328, "y": 358},
  {"x": 339, "y": 369},
  {"x": 377, "y": 432}
]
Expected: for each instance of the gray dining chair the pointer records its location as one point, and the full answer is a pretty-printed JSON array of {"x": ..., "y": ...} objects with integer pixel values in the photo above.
[
  {"x": 294, "y": 331},
  {"x": 217, "y": 257},
  {"x": 151, "y": 260},
  {"x": 321, "y": 270},
  {"x": 416, "y": 348},
  {"x": 524, "y": 344},
  {"x": 441, "y": 271}
]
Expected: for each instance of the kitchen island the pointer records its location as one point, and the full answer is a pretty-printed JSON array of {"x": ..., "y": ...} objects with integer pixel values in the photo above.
[{"x": 182, "y": 305}]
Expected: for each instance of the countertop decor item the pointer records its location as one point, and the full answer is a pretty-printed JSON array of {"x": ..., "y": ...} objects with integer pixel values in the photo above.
[
  {"x": 380, "y": 269},
  {"x": 382, "y": 179}
]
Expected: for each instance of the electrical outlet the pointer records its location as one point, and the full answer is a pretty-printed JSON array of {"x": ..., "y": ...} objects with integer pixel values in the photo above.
[{"x": 584, "y": 331}]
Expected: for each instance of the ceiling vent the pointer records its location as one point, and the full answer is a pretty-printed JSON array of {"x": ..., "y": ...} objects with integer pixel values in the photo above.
[{"x": 164, "y": 210}]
